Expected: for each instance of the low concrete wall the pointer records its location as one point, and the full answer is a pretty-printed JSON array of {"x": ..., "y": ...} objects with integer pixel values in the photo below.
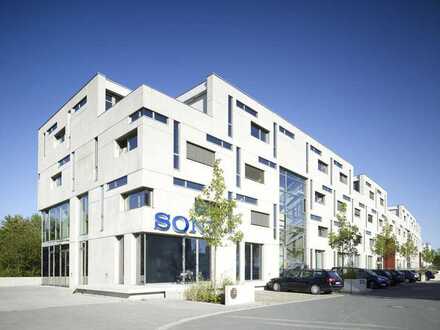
[
  {"x": 239, "y": 294},
  {"x": 20, "y": 281},
  {"x": 355, "y": 286}
]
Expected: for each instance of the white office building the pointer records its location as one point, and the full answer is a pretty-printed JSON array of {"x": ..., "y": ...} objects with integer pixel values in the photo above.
[{"x": 119, "y": 169}]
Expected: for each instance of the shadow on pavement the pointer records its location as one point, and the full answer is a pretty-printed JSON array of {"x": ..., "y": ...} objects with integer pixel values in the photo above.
[{"x": 420, "y": 290}]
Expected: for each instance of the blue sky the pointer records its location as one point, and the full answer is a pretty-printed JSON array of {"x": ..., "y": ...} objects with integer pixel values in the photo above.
[{"x": 362, "y": 77}]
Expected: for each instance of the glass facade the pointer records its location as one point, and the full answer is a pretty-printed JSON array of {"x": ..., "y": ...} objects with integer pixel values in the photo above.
[
  {"x": 291, "y": 220},
  {"x": 163, "y": 258},
  {"x": 253, "y": 261},
  {"x": 84, "y": 214},
  {"x": 55, "y": 265},
  {"x": 56, "y": 223}
]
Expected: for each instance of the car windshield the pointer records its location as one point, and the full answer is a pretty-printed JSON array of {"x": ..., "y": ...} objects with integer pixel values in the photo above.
[
  {"x": 334, "y": 275},
  {"x": 371, "y": 272}
]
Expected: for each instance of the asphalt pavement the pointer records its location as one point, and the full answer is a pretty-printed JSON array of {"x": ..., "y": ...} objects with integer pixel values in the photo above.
[{"x": 409, "y": 306}]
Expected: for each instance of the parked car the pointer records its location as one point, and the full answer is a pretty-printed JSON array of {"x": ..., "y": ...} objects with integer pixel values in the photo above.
[
  {"x": 410, "y": 277},
  {"x": 387, "y": 274},
  {"x": 397, "y": 276},
  {"x": 373, "y": 280},
  {"x": 313, "y": 281},
  {"x": 417, "y": 275},
  {"x": 429, "y": 275}
]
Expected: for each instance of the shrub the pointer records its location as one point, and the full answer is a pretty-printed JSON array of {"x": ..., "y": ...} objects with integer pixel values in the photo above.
[
  {"x": 202, "y": 291},
  {"x": 206, "y": 292}
]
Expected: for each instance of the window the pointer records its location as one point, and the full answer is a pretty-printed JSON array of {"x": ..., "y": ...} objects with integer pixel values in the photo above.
[
  {"x": 343, "y": 178},
  {"x": 382, "y": 202},
  {"x": 246, "y": 108},
  {"x": 219, "y": 142},
  {"x": 148, "y": 113},
  {"x": 327, "y": 189},
  {"x": 80, "y": 104},
  {"x": 63, "y": 161},
  {"x": 111, "y": 99},
  {"x": 199, "y": 154},
  {"x": 61, "y": 135},
  {"x": 274, "y": 221},
  {"x": 52, "y": 128},
  {"x": 372, "y": 195},
  {"x": 319, "y": 198},
  {"x": 137, "y": 198},
  {"x": 230, "y": 115},
  {"x": 253, "y": 173},
  {"x": 267, "y": 162},
  {"x": 84, "y": 214},
  {"x": 341, "y": 206},
  {"x": 57, "y": 180},
  {"x": 356, "y": 186},
  {"x": 117, "y": 183},
  {"x": 357, "y": 213},
  {"x": 176, "y": 152},
  {"x": 198, "y": 102},
  {"x": 96, "y": 158},
  {"x": 128, "y": 142},
  {"x": 246, "y": 199},
  {"x": 259, "y": 219},
  {"x": 323, "y": 167},
  {"x": 361, "y": 205},
  {"x": 259, "y": 132},
  {"x": 238, "y": 167},
  {"x": 338, "y": 164},
  {"x": 370, "y": 218},
  {"x": 371, "y": 243},
  {"x": 315, "y": 217},
  {"x": 56, "y": 222},
  {"x": 315, "y": 150},
  {"x": 287, "y": 132},
  {"x": 253, "y": 261},
  {"x": 319, "y": 259},
  {"x": 347, "y": 198},
  {"x": 188, "y": 184},
  {"x": 368, "y": 184},
  {"x": 322, "y": 231}
]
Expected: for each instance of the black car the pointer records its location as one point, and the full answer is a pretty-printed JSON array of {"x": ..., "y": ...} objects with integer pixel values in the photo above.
[
  {"x": 410, "y": 276},
  {"x": 429, "y": 275},
  {"x": 313, "y": 281},
  {"x": 374, "y": 281},
  {"x": 387, "y": 274},
  {"x": 398, "y": 277}
]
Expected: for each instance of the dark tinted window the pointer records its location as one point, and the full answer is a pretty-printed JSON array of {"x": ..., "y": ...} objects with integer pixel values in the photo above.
[{"x": 334, "y": 275}]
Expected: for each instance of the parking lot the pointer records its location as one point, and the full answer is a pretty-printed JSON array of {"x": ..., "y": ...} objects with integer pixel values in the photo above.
[{"x": 408, "y": 306}]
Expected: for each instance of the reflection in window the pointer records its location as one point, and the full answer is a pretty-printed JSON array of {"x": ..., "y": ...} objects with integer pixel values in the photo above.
[
  {"x": 253, "y": 261},
  {"x": 138, "y": 198},
  {"x": 291, "y": 219}
]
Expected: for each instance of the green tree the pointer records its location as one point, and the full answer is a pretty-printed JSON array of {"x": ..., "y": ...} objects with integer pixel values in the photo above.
[
  {"x": 436, "y": 259},
  {"x": 408, "y": 250},
  {"x": 20, "y": 246},
  {"x": 214, "y": 215},
  {"x": 386, "y": 244},
  {"x": 347, "y": 238},
  {"x": 428, "y": 255}
]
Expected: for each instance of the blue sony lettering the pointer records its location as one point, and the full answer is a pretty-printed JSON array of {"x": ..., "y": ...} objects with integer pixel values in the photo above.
[
  {"x": 162, "y": 222},
  {"x": 195, "y": 227},
  {"x": 180, "y": 219}
]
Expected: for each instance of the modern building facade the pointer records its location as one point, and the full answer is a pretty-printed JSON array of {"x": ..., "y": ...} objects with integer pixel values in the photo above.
[{"x": 119, "y": 169}]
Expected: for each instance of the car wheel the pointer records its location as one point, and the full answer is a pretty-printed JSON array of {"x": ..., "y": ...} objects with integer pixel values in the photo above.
[
  {"x": 276, "y": 287},
  {"x": 315, "y": 289}
]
